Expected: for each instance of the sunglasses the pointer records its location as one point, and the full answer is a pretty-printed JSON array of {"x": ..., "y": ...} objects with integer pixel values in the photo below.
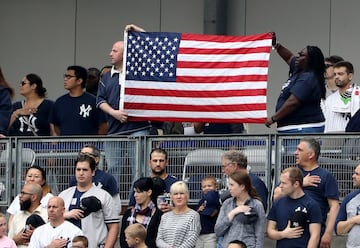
[
  {"x": 87, "y": 154},
  {"x": 23, "y": 83}
]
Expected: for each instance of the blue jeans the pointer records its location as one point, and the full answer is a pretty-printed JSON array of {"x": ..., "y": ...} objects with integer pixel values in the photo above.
[
  {"x": 121, "y": 157},
  {"x": 290, "y": 145}
]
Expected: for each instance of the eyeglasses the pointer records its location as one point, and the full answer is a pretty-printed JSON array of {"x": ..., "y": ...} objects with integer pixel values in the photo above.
[
  {"x": 25, "y": 193},
  {"x": 23, "y": 83},
  {"x": 227, "y": 164},
  {"x": 67, "y": 76},
  {"x": 328, "y": 65}
]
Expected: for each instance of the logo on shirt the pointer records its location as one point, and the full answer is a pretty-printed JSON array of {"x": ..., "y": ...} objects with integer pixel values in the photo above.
[
  {"x": 85, "y": 111},
  {"x": 28, "y": 123}
]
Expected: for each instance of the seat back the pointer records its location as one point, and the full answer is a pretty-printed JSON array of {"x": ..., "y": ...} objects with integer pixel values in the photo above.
[{"x": 198, "y": 164}]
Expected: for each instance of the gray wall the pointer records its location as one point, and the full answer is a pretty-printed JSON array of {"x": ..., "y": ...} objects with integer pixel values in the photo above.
[{"x": 45, "y": 37}]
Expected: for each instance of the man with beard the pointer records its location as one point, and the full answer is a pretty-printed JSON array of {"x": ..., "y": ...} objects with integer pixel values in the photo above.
[
  {"x": 30, "y": 197},
  {"x": 157, "y": 163}
]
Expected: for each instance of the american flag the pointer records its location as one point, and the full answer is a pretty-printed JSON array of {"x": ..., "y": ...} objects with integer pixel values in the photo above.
[{"x": 195, "y": 78}]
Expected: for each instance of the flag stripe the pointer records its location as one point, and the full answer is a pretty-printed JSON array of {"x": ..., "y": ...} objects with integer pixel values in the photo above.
[
  {"x": 196, "y": 101},
  {"x": 191, "y": 77},
  {"x": 222, "y": 57},
  {"x": 196, "y": 64},
  {"x": 184, "y": 50},
  {"x": 224, "y": 79},
  {"x": 194, "y": 108},
  {"x": 217, "y": 119},
  {"x": 199, "y": 94}
]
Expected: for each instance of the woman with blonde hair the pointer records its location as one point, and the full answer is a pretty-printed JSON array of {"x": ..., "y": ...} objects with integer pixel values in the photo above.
[{"x": 181, "y": 226}]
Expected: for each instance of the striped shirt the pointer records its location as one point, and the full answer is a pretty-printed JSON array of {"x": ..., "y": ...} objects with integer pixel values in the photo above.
[
  {"x": 337, "y": 113},
  {"x": 178, "y": 230}
]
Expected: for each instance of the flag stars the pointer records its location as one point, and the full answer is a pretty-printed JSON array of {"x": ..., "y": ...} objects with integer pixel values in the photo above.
[{"x": 151, "y": 56}]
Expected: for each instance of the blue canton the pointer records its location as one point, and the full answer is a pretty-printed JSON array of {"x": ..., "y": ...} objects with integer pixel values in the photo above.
[{"x": 152, "y": 56}]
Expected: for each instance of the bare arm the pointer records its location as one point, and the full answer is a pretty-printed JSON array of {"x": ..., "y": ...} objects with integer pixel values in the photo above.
[
  {"x": 117, "y": 114},
  {"x": 290, "y": 105},
  {"x": 345, "y": 226},
  {"x": 113, "y": 230},
  {"x": 314, "y": 229},
  {"x": 334, "y": 209},
  {"x": 55, "y": 130},
  {"x": 284, "y": 53}
]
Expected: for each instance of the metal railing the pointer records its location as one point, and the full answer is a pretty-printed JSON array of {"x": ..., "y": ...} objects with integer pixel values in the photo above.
[{"x": 267, "y": 156}]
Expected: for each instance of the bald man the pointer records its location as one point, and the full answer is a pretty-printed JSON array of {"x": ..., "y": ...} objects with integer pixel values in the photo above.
[
  {"x": 108, "y": 98},
  {"x": 57, "y": 232},
  {"x": 30, "y": 198}
]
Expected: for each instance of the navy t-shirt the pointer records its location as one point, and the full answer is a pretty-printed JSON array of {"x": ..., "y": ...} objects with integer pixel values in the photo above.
[
  {"x": 77, "y": 115},
  {"x": 38, "y": 120},
  {"x": 326, "y": 189},
  {"x": 281, "y": 213},
  {"x": 305, "y": 87}
]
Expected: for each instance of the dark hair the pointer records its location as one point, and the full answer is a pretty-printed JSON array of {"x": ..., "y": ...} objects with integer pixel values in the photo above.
[
  {"x": 243, "y": 178},
  {"x": 314, "y": 145},
  {"x": 295, "y": 174},
  {"x": 143, "y": 184},
  {"x": 80, "y": 73},
  {"x": 43, "y": 173},
  {"x": 159, "y": 188},
  {"x": 87, "y": 158},
  {"x": 349, "y": 67},
  {"x": 5, "y": 84},
  {"x": 236, "y": 156},
  {"x": 238, "y": 242},
  {"x": 159, "y": 150},
  {"x": 333, "y": 59},
  {"x": 94, "y": 70},
  {"x": 315, "y": 63},
  {"x": 35, "y": 79}
]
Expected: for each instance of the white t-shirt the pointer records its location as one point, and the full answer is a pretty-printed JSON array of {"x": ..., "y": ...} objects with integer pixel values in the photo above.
[{"x": 45, "y": 234}]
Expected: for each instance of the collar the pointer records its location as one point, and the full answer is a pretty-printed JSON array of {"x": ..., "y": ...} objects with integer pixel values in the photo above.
[{"x": 114, "y": 71}]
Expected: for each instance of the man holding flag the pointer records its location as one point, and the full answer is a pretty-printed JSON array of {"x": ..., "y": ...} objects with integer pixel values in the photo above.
[{"x": 108, "y": 99}]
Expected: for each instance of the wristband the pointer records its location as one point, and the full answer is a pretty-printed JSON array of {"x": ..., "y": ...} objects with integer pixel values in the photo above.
[{"x": 272, "y": 118}]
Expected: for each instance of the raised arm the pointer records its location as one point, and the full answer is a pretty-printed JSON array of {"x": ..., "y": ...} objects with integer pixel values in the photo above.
[{"x": 284, "y": 53}]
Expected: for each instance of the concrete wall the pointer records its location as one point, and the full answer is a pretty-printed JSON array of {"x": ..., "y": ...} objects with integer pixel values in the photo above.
[{"x": 45, "y": 37}]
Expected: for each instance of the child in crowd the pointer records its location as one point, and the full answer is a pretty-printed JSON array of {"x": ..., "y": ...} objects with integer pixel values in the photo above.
[
  {"x": 236, "y": 244},
  {"x": 5, "y": 242},
  {"x": 80, "y": 241},
  {"x": 135, "y": 235},
  {"x": 208, "y": 209}
]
